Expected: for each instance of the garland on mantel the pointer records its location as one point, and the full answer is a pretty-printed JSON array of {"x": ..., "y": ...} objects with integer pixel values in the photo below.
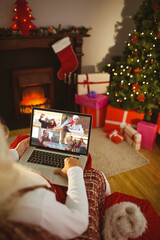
[{"x": 46, "y": 31}]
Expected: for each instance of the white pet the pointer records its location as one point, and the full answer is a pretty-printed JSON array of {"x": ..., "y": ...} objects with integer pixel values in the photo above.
[{"x": 123, "y": 221}]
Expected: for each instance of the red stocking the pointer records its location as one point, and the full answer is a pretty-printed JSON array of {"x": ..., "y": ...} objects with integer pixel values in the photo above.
[{"x": 66, "y": 55}]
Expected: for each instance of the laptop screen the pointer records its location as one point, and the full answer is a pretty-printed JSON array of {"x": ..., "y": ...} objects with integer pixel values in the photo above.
[{"x": 60, "y": 130}]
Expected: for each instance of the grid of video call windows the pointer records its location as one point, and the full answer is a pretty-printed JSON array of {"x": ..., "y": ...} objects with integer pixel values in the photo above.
[{"x": 60, "y": 131}]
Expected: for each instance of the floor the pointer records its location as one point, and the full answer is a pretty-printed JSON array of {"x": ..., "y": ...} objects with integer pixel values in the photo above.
[{"x": 143, "y": 182}]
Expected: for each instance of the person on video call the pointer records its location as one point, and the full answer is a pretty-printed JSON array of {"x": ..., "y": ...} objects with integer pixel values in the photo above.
[
  {"x": 52, "y": 123},
  {"x": 45, "y": 123},
  {"x": 25, "y": 196},
  {"x": 44, "y": 138},
  {"x": 71, "y": 125}
]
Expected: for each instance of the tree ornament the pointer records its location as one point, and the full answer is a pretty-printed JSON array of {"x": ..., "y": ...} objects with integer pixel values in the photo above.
[
  {"x": 152, "y": 61},
  {"x": 136, "y": 87},
  {"x": 137, "y": 70},
  {"x": 52, "y": 30},
  {"x": 141, "y": 97},
  {"x": 135, "y": 53},
  {"x": 23, "y": 18},
  {"x": 134, "y": 39},
  {"x": 129, "y": 69},
  {"x": 150, "y": 113},
  {"x": 155, "y": 19},
  {"x": 121, "y": 86},
  {"x": 158, "y": 102}
]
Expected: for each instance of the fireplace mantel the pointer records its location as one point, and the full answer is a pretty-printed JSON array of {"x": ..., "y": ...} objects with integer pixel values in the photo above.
[
  {"x": 19, "y": 43},
  {"x": 15, "y": 43}
]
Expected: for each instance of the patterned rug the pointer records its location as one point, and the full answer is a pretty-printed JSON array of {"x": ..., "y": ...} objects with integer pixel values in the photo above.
[{"x": 111, "y": 158}]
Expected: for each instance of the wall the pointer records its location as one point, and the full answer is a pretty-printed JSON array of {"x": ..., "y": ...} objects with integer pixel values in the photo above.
[{"x": 110, "y": 21}]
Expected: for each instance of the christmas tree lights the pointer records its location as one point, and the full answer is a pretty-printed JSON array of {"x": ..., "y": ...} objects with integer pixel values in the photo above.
[{"x": 135, "y": 76}]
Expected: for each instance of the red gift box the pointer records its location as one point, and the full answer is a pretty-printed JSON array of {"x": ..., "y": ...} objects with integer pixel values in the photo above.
[
  {"x": 98, "y": 115},
  {"x": 116, "y": 136},
  {"x": 117, "y": 118}
]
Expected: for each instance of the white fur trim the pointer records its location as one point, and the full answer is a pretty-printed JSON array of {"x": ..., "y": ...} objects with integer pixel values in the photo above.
[
  {"x": 75, "y": 117},
  {"x": 61, "y": 44}
]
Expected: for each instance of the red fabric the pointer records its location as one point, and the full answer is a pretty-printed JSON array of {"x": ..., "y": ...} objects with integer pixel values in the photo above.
[
  {"x": 17, "y": 140},
  {"x": 152, "y": 217}
]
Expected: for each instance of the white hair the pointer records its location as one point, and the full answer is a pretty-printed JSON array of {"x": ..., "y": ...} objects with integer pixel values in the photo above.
[
  {"x": 4, "y": 151},
  {"x": 13, "y": 176}
]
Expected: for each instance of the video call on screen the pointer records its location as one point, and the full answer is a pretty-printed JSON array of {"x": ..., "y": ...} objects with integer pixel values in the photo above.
[{"x": 61, "y": 131}]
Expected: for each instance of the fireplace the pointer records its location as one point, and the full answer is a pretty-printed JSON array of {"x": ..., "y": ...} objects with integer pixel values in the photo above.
[
  {"x": 20, "y": 55},
  {"x": 32, "y": 88}
]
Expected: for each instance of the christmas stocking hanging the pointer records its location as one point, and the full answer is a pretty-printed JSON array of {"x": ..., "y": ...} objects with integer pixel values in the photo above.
[{"x": 66, "y": 55}]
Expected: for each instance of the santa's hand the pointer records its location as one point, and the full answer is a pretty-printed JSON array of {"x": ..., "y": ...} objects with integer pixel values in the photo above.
[
  {"x": 22, "y": 146},
  {"x": 68, "y": 163}
]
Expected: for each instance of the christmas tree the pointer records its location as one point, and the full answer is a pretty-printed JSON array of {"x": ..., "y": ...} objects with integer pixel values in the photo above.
[
  {"x": 23, "y": 18},
  {"x": 135, "y": 76}
]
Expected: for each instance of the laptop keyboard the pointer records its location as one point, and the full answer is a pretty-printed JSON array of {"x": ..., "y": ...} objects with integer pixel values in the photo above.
[{"x": 47, "y": 158}]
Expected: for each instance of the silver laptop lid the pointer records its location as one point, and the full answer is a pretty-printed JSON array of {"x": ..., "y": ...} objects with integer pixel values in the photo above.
[{"x": 61, "y": 131}]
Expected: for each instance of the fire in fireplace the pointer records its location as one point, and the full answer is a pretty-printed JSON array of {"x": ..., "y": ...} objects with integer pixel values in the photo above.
[
  {"x": 33, "y": 96},
  {"x": 32, "y": 88}
]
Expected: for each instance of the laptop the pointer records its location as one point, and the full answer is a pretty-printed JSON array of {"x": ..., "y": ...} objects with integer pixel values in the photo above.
[{"x": 55, "y": 135}]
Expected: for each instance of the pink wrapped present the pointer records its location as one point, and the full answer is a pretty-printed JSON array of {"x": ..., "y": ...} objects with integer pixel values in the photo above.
[
  {"x": 148, "y": 131},
  {"x": 133, "y": 137},
  {"x": 95, "y": 103},
  {"x": 158, "y": 124},
  {"x": 92, "y": 82}
]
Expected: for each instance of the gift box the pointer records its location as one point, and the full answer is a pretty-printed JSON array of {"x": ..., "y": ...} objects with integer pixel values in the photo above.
[
  {"x": 115, "y": 136},
  {"x": 158, "y": 124},
  {"x": 98, "y": 115},
  {"x": 133, "y": 137},
  {"x": 95, "y": 103},
  {"x": 148, "y": 131},
  {"x": 117, "y": 118},
  {"x": 92, "y": 82}
]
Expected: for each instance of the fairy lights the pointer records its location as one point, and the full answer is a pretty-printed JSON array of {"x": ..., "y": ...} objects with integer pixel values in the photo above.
[{"x": 136, "y": 74}]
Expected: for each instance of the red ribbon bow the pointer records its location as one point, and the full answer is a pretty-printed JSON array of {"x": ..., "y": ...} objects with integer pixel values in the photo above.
[
  {"x": 86, "y": 81},
  {"x": 133, "y": 136}
]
